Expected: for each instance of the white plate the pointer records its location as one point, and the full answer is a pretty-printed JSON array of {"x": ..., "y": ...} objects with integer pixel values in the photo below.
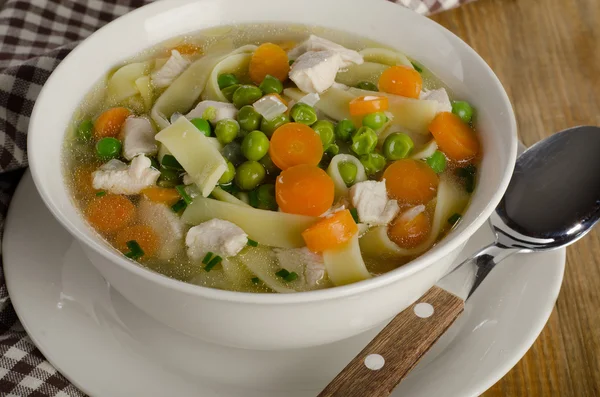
[{"x": 107, "y": 347}]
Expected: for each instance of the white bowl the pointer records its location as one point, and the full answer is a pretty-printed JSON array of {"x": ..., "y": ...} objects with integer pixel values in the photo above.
[{"x": 273, "y": 321}]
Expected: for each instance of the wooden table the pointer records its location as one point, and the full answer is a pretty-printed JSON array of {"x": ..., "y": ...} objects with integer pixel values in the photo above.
[{"x": 547, "y": 55}]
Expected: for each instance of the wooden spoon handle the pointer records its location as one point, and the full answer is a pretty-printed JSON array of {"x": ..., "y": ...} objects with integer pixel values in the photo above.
[{"x": 398, "y": 347}]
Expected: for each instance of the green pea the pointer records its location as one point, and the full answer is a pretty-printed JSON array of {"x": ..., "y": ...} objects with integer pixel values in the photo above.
[
  {"x": 344, "y": 130},
  {"x": 373, "y": 162},
  {"x": 269, "y": 126},
  {"x": 228, "y": 91},
  {"x": 108, "y": 148},
  {"x": 246, "y": 95},
  {"x": 463, "y": 110},
  {"x": 233, "y": 153},
  {"x": 255, "y": 145},
  {"x": 271, "y": 85},
  {"x": 325, "y": 129},
  {"x": 437, "y": 162},
  {"x": 364, "y": 141},
  {"x": 227, "y": 130},
  {"x": 348, "y": 172},
  {"x": 375, "y": 120},
  {"x": 169, "y": 178},
  {"x": 249, "y": 175},
  {"x": 228, "y": 174},
  {"x": 154, "y": 163},
  {"x": 270, "y": 167},
  {"x": 249, "y": 118},
  {"x": 266, "y": 197},
  {"x": 303, "y": 113},
  {"x": 332, "y": 150},
  {"x": 367, "y": 85},
  {"x": 397, "y": 146},
  {"x": 85, "y": 130},
  {"x": 227, "y": 80},
  {"x": 202, "y": 125}
]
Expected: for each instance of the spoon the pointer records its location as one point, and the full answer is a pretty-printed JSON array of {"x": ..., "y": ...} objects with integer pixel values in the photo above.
[{"x": 553, "y": 200}]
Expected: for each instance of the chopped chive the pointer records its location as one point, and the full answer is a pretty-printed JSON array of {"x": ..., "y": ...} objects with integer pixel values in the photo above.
[
  {"x": 282, "y": 273},
  {"x": 454, "y": 218},
  {"x": 230, "y": 188},
  {"x": 100, "y": 193},
  {"x": 252, "y": 243},
  {"x": 417, "y": 67},
  {"x": 470, "y": 183},
  {"x": 184, "y": 194},
  {"x": 213, "y": 262},
  {"x": 179, "y": 206},
  {"x": 291, "y": 277},
  {"x": 354, "y": 213},
  {"x": 135, "y": 251},
  {"x": 170, "y": 162},
  {"x": 207, "y": 258},
  {"x": 290, "y": 62},
  {"x": 255, "y": 280},
  {"x": 466, "y": 171}
]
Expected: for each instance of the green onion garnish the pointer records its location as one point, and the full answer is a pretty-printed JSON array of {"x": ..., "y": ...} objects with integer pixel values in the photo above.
[
  {"x": 207, "y": 258},
  {"x": 470, "y": 183},
  {"x": 135, "y": 251},
  {"x": 468, "y": 173},
  {"x": 184, "y": 194},
  {"x": 213, "y": 262},
  {"x": 179, "y": 206},
  {"x": 417, "y": 67},
  {"x": 230, "y": 188},
  {"x": 170, "y": 162},
  {"x": 454, "y": 218},
  {"x": 354, "y": 213},
  {"x": 291, "y": 277},
  {"x": 100, "y": 193},
  {"x": 255, "y": 280},
  {"x": 287, "y": 276},
  {"x": 252, "y": 243}
]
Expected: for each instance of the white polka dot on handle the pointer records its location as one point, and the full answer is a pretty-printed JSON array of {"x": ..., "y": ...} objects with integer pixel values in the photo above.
[
  {"x": 374, "y": 362},
  {"x": 423, "y": 310}
]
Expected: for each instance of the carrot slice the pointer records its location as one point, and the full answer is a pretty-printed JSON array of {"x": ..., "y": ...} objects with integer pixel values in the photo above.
[
  {"x": 368, "y": 104},
  {"x": 293, "y": 144},
  {"x": 411, "y": 181},
  {"x": 270, "y": 59},
  {"x": 187, "y": 49},
  {"x": 161, "y": 195},
  {"x": 401, "y": 80},
  {"x": 455, "y": 138},
  {"x": 144, "y": 235},
  {"x": 330, "y": 232},
  {"x": 305, "y": 190},
  {"x": 109, "y": 123},
  {"x": 110, "y": 213},
  {"x": 409, "y": 233}
]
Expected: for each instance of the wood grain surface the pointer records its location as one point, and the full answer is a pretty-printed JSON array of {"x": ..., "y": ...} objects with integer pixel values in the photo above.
[
  {"x": 547, "y": 55},
  {"x": 416, "y": 334}
]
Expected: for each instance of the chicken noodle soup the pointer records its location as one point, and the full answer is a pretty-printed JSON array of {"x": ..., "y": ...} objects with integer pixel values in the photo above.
[{"x": 272, "y": 159}]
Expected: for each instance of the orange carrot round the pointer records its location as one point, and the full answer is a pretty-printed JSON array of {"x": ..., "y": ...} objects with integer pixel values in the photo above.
[
  {"x": 401, "y": 80},
  {"x": 293, "y": 144},
  {"x": 411, "y": 181},
  {"x": 187, "y": 49},
  {"x": 305, "y": 190},
  {"x": 109, "y": 123},
  {"x": 144, "y": 235},
  {"x": 409, "y": 233},
  {"x": 455, "y": 138},
  {"x": 161, "y": 195},
  {"x": 368, "y": 104},
  {"x": 270, "y": 59},
  {"x": 110, "y": 213},
  {"x": 330, "y": 232}
]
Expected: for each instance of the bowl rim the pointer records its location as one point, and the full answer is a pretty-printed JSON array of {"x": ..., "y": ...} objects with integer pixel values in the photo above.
[{"x": 420, "y": 263}]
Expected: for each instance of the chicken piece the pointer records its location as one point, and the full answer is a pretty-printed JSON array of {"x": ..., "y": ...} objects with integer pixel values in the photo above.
[
  {"x": 118, "y": 178},
  {"x": 440, "y": 96},
  {"x": 174, "y": 66},
  {"x": 218, "y": 236},
  {"x": 372, "y": 204},
  {"x": 167, "y": 225},
  {"x": 316, "y": 43},
  {"x": 138, "y": 137},
  {"x": 315, "y": 71},
  {"x": 222, "y": 110},
  {"x": 308, "y": 265}
]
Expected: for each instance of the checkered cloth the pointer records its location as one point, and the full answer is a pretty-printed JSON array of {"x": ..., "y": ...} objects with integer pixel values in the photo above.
[{"x": 35, "y": 35}]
